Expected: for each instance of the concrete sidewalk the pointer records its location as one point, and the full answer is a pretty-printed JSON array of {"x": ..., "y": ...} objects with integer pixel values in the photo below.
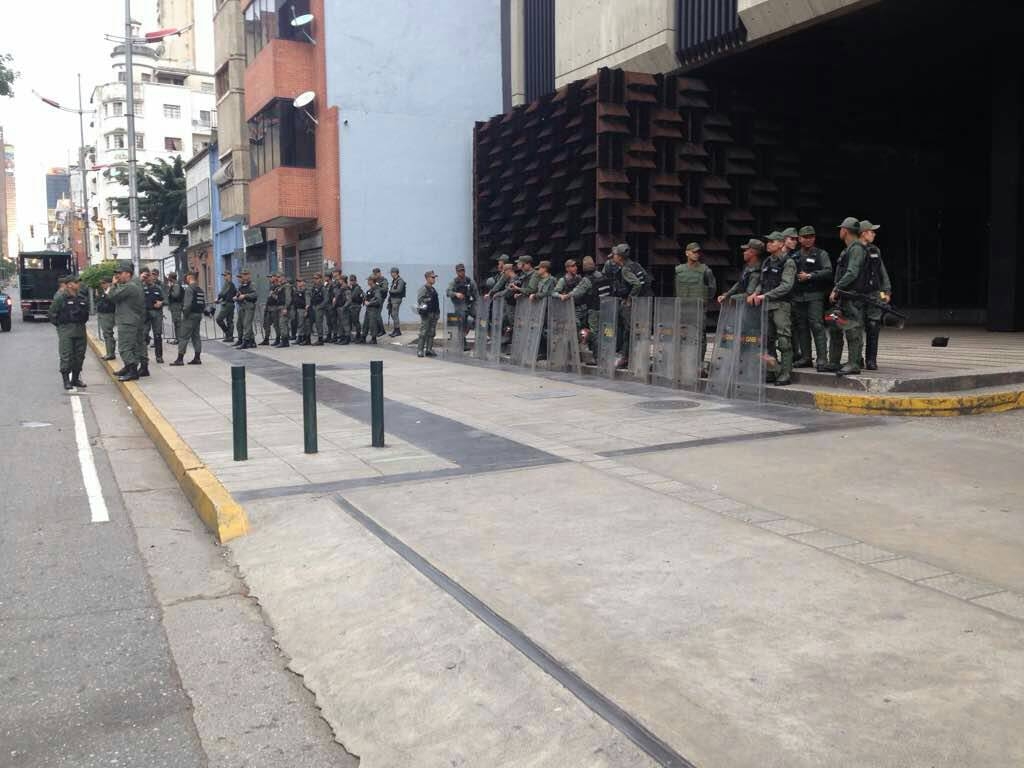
[{"x": 551, "y": 571}]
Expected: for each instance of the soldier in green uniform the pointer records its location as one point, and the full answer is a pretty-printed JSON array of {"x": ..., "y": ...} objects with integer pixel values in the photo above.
[
  {"x": 778, "y": 274},
  {"x": 545, "y": 282},
  {"x": 69, "y": 311},
  {"x": 850, "y": 277},
  {"x": 301, "y": 309},
  {"x": 462, "y": 294},
  {"x": 428, "y": 305},
  {"x": 373, "y": 300},
  {"x": 130, "y": 318},
  {"x": 246, "y": 298},
  {"x": 156, "y": 296},
  {"x": 878, "y": 286},
  {"x": 382, "y": 282},
  {"x": 226, "y": 307},
  {"x": 191, "y": 317},
  {"x": 284, "y": 311},
  {"x": 105, "y": 312},
  {"x": 629, "y": 281},
  {"x": 175, "y": 295},
  {"x": 319, "y": 300},
  {"x": 343, "y": 310},
  {"x": 750, "y": 277},
  {"x": 270, "y": 312},
  {"x": 696, "y": 280},
  {"x": 396, "y": 294},
  {"x": 353, "y": 306},
  {"x": 813, "y": 278}
]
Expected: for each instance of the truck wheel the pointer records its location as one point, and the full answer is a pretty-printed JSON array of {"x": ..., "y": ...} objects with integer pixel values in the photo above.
[{"x": 5, "y": 323}]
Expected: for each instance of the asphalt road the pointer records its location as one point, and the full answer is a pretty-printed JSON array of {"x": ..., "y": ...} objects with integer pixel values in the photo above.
[{"x": 86, "y": 674}]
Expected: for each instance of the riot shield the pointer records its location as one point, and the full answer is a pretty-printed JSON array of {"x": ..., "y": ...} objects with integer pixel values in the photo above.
[
  {"x": 483, "y": 328},
  {"x": 665, "y": 342},
  {"x": 691, "y": 343},
  {"x": 520, "y": 330},
  {"x": 725, "y": 355},
  {"x": 563, "y": 337},
  {"x": 640, "y": 317},
  {"x": 454, "y": 332},
  {"x": 535, "y": 333},
  {"x": 751, "y": 358},
  {"x": 496, "y": 326},
  {"x": 607, "y": 331}
]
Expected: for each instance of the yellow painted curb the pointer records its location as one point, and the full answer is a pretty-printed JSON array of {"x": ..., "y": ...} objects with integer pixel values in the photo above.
[
  {"x": 920, "y": 405},
  {"x": 211, "y": 500}
]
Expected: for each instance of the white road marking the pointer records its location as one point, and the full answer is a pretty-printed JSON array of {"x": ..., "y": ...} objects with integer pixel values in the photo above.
[{"x": 97, "y": 505}]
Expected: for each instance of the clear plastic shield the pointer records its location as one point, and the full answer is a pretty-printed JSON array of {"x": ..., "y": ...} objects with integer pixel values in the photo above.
[
  {"x": 520, "y": 331},
  {"x": 691, "y": 343},
  {"x": 640, "y": 321},
  {"x": 725, "y": 355},
  {"x": 665, "y": 342},
  {"x": 751, "y": 360},
  {"x": 563, "y": 336},
  {"x": 607, "y": 332},
  {"x": 454, "y": 332},
  {"x": 496, "y": 330},
  {"x": 536, "y": 330},
  {"x": 483, "y": 328}
]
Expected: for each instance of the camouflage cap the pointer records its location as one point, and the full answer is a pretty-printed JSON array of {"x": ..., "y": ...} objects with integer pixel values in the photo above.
[
  {"x": 545, "y": 265},
  {"x": 867, "y": 226},
  {"x": 851, "y": 224},
  {"x": 526, "y": 259},
  {"x": 502, "y": 257},
  {"x": 460, "y": 267},
  {"x": 757, "y": 245},
  {"x": 807, "y": 232},
  {"x": 693, "y": 246},
  {"x": 776, "y": 235},
  {"x": 428, "y": 274},
  {"x": 570, "y": 263},
  {"x": 588, "y": 262},
  {"x": 622, "y": 249}
]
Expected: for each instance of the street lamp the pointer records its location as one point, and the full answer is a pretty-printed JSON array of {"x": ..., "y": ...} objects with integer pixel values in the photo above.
[{"x": 81, "y": 156}]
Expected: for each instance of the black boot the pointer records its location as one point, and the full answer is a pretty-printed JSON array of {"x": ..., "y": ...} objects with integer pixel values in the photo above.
[
  {"x": 871, "y": 333},
  {"x": 76, "y": 379},
  {"x": 159, "y": 349},
  {"x": 122, "y": 370},
  {"x": 65, "y": 377},
  {"x": 131, "y": 373},
  {"x": 144, "y": 369},
  {"x": 265, "y": 342},
  {"x": 284, "y": 343},
  {"x": 195, "y": 360}
]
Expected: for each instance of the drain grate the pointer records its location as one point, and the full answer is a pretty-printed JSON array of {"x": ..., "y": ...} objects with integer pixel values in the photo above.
[{"x": 667, "y": 405}]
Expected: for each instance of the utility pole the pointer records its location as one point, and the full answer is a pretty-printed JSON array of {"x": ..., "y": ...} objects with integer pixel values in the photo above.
[
  {"x": 81, "y": 168},
  {"x": 133, "y": 189}
]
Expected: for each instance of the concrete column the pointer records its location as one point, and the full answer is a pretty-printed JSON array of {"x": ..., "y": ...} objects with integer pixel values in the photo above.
[
  {"x": 517, "y": 35},
  {"x": 1006, "y": 237}
]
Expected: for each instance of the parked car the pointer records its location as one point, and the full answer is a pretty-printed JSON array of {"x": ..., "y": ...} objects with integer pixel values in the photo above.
[{"x": 5, "y": 310}]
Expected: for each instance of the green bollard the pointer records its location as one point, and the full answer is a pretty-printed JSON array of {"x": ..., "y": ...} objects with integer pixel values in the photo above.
[
  {"x": 309, "y": 406},
  {"x": 239, "y": 425},
  {"x": 377, "y": 402}
]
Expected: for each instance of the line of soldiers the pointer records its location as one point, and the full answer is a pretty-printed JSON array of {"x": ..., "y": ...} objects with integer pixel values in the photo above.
[
  {"x": 329, "y": 307},
  {"x": 796, "y": 279}
]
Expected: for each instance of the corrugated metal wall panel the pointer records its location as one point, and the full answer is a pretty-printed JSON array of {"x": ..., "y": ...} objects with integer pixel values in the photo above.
[
  {"x": 707, "y": 27},
  {"x": 539, "y": 39}
]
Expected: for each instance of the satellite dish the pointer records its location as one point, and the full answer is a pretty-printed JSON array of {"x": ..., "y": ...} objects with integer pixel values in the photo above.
[
  {"x": 304, "y": 99},
  {"x": 303, "y": 20}
]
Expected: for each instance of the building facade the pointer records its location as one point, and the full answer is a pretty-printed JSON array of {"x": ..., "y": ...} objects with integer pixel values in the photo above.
[
  {"x": 199, "y": 217},
  {"x": 175, "y": 116},
  {"x": 193, "y": 48},
  {"x": 9, "y": 242}
]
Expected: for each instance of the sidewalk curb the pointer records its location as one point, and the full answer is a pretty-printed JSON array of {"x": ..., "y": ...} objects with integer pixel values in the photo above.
[
  {"x": 214, "y": 504},
  {"x": 920, "y": 405}
]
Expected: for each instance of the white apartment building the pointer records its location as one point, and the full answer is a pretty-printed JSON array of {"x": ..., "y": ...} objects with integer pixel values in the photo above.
[{"x": 174, "y": 116}]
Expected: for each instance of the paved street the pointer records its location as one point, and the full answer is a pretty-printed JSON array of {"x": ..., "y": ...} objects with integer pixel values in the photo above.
[
  {"x": 551, "y": 571},
  {"x": 129, "y": 642}
]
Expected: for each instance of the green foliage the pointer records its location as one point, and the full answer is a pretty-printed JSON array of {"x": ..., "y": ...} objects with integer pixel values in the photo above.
[
  {"x": 162, "y": 210},
  {"x": 7, "y": 75},
  {"x": 92, "y": 275}
]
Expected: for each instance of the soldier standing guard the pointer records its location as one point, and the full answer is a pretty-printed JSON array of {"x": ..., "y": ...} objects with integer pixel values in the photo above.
[
  {"x": 374, "y": 302},
  {"x": 354, "y": 306},
  {"x": 175, "y": 295},
  {"x": 462, "y": 294},
  {"x": 155, "y": 298},
  {"x": 246, "y": 298},
  {"x": 282, "y": 314},
  {"x": 878, "y": 287},
  {"x": 301, "y": 311},
  {"x": 696, "y": 280},
  {"x": 191, "y": 316},
  {"x": 69, "y": 311},
  {"x": 129, "y": 317},
  {"x": 813, "y": 276},
  {"x": 105, "y": 313},
  {"x": 850, "y": 277},
  {"x": 226, "y": 309},
  {"x": 396, "y": 293},
  {"x": 778, "y": 273},
  {"x": 428, "y": 305},
  {"x": 750, "y": 277}
]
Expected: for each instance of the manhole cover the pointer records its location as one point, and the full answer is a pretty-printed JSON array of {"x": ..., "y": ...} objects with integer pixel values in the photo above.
[
  {"x": 667, "y": 405},
  {"x": 546, "y": 395}
]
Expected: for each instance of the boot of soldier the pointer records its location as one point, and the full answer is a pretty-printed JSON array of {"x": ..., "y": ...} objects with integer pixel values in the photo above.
[
  {"x": 122, "y": 370},
  {"x": 195, "y": 360},
  {"x": 265, "y": 342},
  {"x": 144, "y": 369},
  {"x": 65, "y": 377},
  {"x": 852, "y": 367},
  {"x": 131, "y": 373},
  {"x": 159, "y": 349},
  {"x": 782, "y": 377},
  {"x": 319, "y": 342},
  {"x": 76, "y": 379},
  {"x": 281, "y": 343},
  {"x": 871, "y": 333},
  {"x": 110, "y": 351},
  {"x": 179, "y": 360}
]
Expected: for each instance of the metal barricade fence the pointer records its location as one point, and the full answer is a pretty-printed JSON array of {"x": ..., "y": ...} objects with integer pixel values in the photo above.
[
  {"x": 563, "y": 336},
  {"x": 481, "y": 336},
  {"x": 497, "y": 330},
  {"x": 641, "y": 313},
  {"x": 725, "y": 354},
  {"x": 520, "y": 330},
  {"x": 751, "y": 361},
  {"x": 607, "y": 334},
  {"x": 537, "y": 315},
  {"x": 692, "y": 343}
]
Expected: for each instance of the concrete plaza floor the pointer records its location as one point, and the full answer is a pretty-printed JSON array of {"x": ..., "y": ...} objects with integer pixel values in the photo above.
[{"x": 553, "y": 571}]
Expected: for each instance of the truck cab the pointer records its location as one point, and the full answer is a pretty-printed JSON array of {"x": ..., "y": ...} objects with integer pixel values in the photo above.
[{"x": 38, "y": 273}]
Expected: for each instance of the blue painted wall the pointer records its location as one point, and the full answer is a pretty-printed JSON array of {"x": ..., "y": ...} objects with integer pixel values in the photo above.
[
  {"x": 227, "y": 235},
  {"x": 410, "y": 78}
]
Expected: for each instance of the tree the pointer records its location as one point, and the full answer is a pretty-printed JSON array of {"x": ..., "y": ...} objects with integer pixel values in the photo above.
[
  {"x": 7, "y": 75},
  {"x": 92, "y": 275},
  {"x": 162, "y": 210}
]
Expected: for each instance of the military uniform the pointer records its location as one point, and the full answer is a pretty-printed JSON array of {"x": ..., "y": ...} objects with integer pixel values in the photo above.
[
  {"x": 778, "y": 274},
  {"x": 343, "y": 311},
  {"x": 226, "y": 311},
  {"x": 462, "y": 307},
  {"x": 105, "y": 313},
  {"x": 156, "y": 296},
  {"x": 380, "y": 283},
  {"x": 747, "y": 285},
  {"x": 696, "y": 282},
  {"x": 301, "y": 312},
  {"x": 374, "y": 301},
  {"x": 851, "y": 276},
  {"x": 70, "y": 314},
  {"x": 809, "y": 302},
  {"x": 396, "y": 293},
  {"x": 428, "y": 304},
  {"x": 878, "y": 287},
  {"x": 271, "y": 314},
  {"x": 130, "y": 318},
  {"x": 175, "y": 295},
  {"x": 284, "y": 313},
  {"x": 191, "y": 319},
  {"x": 246, "y": 299},
  {"x": 319, "y": 301},
  {"x": 627, "y": 282},
  {"x": 353, "y": 308}
]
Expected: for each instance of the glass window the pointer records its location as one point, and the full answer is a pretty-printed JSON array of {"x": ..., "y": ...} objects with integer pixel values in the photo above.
[
  {"x": 124, "y": 239},
  {"x": 140, "y": 141},
  {"x": 206, "y": 87},
  {"x": 204, "y": 117},
  {"x": 222, "y": 82},
  {"x": 121, "y": 76},
  {"x": 117, "y": 108},
  {"x": 172, "y": 144},
  {"x": 115, "y": 141},
  {"x": 281, "y": 135},
  {"x": 146, "y": 77},
  {"x": 172, "y": 111},
  {"x": 267, "y": 20}
]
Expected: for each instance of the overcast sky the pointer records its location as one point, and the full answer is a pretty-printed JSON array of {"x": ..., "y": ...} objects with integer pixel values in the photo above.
[{"x": 51, "y": 41}]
